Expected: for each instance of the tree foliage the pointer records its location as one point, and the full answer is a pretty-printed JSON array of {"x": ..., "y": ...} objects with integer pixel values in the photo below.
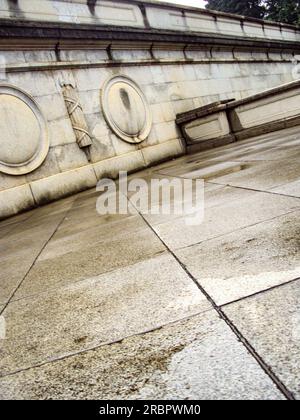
[
  {"x": 253, "y": 8},
  {"x": 286, "y": 11}
]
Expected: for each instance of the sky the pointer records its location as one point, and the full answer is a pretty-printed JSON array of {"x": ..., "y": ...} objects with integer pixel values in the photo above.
[{"x": 196, "y": 3}]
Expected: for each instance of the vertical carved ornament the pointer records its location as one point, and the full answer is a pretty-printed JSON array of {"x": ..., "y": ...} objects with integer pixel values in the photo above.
[{"x": 79, "y": 124}]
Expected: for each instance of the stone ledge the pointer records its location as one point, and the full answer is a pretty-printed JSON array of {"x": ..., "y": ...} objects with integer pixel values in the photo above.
[
  {"x": 226, "y": 121},
  {"x": 54, "y": 32},
  {"x": 52, "y": 188}
]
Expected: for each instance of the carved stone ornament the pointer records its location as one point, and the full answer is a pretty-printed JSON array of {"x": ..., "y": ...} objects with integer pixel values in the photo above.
[
  {"x": 79, "y": 124},
  {"x": 126, "y": 109},
  {"x": 24, "y": 142}
]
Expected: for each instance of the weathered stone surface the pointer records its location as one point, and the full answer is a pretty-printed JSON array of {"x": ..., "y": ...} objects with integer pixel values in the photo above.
[
  {"x": 110, "y": 168},
  {"x": 97, "y": 311},
  {"x": 271, "y": 323},
  {"x": 94, "y": 259},
  {"x": 19, "y": 249},
  {"x": 97, "y": 234},
  {"x": 126, "y": 109},
  {"x": 25, "y": 142},
  {"x": 199, "y": 358},
  {"x": 292, "y": 189},
  {"x": 63, "y": 184},
  {"x": 168, "y": 87},
  {"x": 15, "y": 200},
  {"x": 90, "y": 258},
  {"x": 248, "y": 261},
  {"x": 261, "y": 175},
  {"x": 251, "y": 208}
]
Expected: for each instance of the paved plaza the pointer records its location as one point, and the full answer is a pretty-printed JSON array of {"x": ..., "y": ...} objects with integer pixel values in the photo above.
[{"x": 144, "y": 306}]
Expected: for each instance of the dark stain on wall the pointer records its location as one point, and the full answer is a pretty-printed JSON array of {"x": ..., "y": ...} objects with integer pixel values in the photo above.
[
  {"x": 91, "y": 5},
  {"x": 14, "y": 8},
  {"x": 125, "y": 98}
]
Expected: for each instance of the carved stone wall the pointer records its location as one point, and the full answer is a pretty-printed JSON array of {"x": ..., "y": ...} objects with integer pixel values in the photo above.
[{"x": 131, "y": 79}]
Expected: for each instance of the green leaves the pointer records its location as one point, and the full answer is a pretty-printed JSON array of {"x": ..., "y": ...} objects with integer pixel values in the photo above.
[
  {"x": 286, "y": 11},
  {"x": 253, "y": 8}
]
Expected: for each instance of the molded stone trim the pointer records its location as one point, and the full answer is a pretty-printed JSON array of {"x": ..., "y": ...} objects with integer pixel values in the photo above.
[
  {"x": 39, "y": 154},
  {"x": 141, "y": 118}
]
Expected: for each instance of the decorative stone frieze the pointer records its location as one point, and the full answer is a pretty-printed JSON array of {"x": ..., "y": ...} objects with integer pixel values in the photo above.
[
  {"x": 126, "y": 109},
  {"x": 24, "y": 135}
]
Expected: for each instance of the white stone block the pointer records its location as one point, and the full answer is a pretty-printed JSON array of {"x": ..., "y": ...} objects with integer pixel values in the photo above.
[
  {"x": 110, "y": 168},
  {"x": 15, "y": 200},
  {"x": 160, "y": 152},
  {"x": 70, "y": 156},
  {"x": 63, "y": 184},
  {"x": 166, "y": 131},
  {"x": 166, "y": 19},
  {"x": 209, "y": 127},
  {"x": 13, "y": 57},
  {"x": 11, "y": 181},
  {"x": 90, "y": 101},
  {"x": 114, "y": 13},
  {"x": 273, "y": 32},
  {"x": 253, "y": 29},
  {"x": 201, "y": 22},
  {"x": 120, "y": 146},
  {"x": 270, "y": 109},
  {"x": 229, "y": 26},
  {"x": 53, "y": 106},
  {"x": 61, "y": 132},
  {"x": 91, "y": 78}
]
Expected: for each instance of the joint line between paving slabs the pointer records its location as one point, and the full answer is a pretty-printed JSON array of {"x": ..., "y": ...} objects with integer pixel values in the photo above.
[
  {"x": 253, "y": 189},
  {"x": 233, "y": 186},
  {"x": 34, "y": 261},
  {"x": 266, "y": 368},
  {"x": 269, "y": 289},
  {"x": 98, "y": 346}
]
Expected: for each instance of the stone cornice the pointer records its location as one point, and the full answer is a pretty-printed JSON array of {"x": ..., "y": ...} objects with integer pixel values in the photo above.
[
  {"x": 46, "y": 33},
  {"x": 197, "y": 10}
]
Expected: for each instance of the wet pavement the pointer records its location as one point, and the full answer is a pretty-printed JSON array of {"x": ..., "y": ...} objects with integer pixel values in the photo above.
[{"x": 145, "y": 306}]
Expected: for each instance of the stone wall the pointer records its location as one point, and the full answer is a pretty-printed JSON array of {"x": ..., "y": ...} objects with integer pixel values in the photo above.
[
  {"x": 160, "y": 68},
  {"x": 227, "y": 121}
]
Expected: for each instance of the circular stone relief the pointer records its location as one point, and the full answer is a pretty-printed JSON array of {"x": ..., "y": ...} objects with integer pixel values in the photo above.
[
  {"x": 24, "y": 141},
  {"x": 126, "y": 109}
]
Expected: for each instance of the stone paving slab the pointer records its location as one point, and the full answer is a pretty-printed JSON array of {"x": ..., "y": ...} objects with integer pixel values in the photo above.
[
  {"x": 291, "y": 189},
  {"x": 96, "y": 311},
  {"x": 263, "y": 175},
  {"x": 103, "y": 278},
  {"x": 91, "y": 260},
  {"x": 211, "y": 170},
  {"x": 95, "y": 235},
  {"x": 19, "y": 251},
  {"x": 265, "y": 142},
  {"x": 199, "y": 358},
  {"x": 250, "y": 209},
  {"x": 76, "y": 222},
  {"x": 271, "y": 323},
  {"x": 247, "y": 261}
]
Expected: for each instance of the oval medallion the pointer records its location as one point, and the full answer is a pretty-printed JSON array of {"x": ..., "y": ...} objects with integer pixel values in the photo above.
[
  {"x": 126, "y": 109},
  {"x": 24, "y": 139}
]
